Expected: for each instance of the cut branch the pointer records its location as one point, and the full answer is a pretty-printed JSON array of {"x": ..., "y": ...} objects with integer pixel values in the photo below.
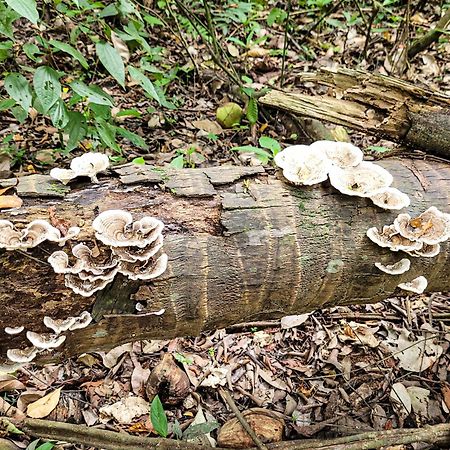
[{"x": 240, "y": 250}]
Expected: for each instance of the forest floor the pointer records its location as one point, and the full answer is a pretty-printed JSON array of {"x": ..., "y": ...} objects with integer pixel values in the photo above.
[{"x": 325, "y": 374}]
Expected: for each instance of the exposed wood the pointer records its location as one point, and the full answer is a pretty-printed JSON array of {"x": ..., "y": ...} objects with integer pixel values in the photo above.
[
  {"x": 255, "y": 249},
  {"x": 81, "y": 434},
  {"x": 375, "y": 104}
]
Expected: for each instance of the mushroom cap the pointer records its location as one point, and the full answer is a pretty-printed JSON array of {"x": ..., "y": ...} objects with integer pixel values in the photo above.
[
  {"x": 81, "y": 321},
  {"x": 341, "y": 154},
  {"x": 45, "y": 341},
  {"x": 90, "y": 164},
  {"x": 365, "y": 180},
  {"x": 85, "y": 287},
  {"x": 391, "y": 198},
  {"x": 418, "y": 285},
  {"x": 116, "y": 228},
  {"x": 144, "y": 270},
  {"x": 22, "y": 355},
  {"x": 303, "y": 165},
  {"x": 39, "y": 231},
  {"x": 59, "y": 325},
  {"x": 389, "y": 238},
  {"x": 9, "y": 237},
  {"x": 63, "y": 175},
  {"x": 431, "y": 227},
  {"x": 133, "y": 254},
  {"x": 427, "y": 251},
  {"x": 397, "y": 268},
  {"x": 14, "y": 330}
]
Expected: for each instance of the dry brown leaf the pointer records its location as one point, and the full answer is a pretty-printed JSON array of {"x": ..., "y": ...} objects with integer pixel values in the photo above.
[
  {"x": 10, "y": 411},
  {"x": 44, "y": 406},
  {"x": 208, "y": 126},
  {"x": 10, "y": 201},
  {"x": 446, "y": 394},
  {"x": 121, "y": 47},
  {"x": 10, "y": 383}
]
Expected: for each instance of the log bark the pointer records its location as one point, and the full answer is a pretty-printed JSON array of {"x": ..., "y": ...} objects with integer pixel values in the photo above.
[
  {"x": 242, "y": 244},
  {"x": 373, "y": 103}
]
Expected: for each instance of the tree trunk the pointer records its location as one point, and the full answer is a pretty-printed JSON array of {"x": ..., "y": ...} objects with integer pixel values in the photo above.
[
  {"x": 242, "y": 244},
  {"x": 376, "y": 104}
]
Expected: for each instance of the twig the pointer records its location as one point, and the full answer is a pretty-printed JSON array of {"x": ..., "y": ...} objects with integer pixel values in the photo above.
[
  {"x": 227, "y": 397},
  {"x": 285, "y": 43},
  {"x": 369, "y": 28},
  {"x": 432, "y": 36}
]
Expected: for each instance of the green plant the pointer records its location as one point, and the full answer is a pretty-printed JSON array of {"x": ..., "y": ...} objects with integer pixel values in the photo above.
[
  {"x": 182, "y": 359},
  {"x": 268, "y": 149},
  {"x": 187, "y": 158},
  {"x": 44, "y": 446},
  {"x": 158, "y": 417}
]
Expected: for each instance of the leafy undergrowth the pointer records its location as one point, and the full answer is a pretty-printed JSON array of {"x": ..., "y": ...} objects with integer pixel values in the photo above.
[{"x": 138, "y": 80}]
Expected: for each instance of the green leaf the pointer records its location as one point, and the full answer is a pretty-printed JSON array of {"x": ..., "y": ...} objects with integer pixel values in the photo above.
[
  {"x": 129, "y": 112},
  {"x": 47, "y": 87},
  {"x": 59, "y": 115},
  {"x": 199, "y": 429},
  {"x": 5, "y": 50},
  {"x": 6, "y": 103},
  {"x": 276, "y": 15},
  {"x": 19, "y": 113},
  {"x": 19, "y": 89},
  {"x": 139, "y": 161},
  {"x": 252, "y": 110},
  {"x": 75, "y": 129},
  {"x": 7, "y": 18},
  {"x": 31, "y": 50},
  {"x": 111, "y": 60},
  {"x": 107, "y": 135},
  {"x": 71, "y": 51},
  {"x": 147, "y": 85},
  {"x": 379, "y": 149},
  {"x": 46, "y": 446},
  {"x": 26, "y": 8},
  {"x": 93, "y": 93},
  {"x": 132, "y": 137},
  {"x": 177, "y": 162},
  {"x": 262, "y": 154},
  {"x": 158, "y": 417},
  {"x": 272, "y": 144},
  {"x": 152, "y": 20}
]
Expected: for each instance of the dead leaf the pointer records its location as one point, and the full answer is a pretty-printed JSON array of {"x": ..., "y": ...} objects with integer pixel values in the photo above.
[
  {"x": 10, "y": 411},
  {"x": 110, "y": 359},
  {"x": 121, "y": 47},
  {"x": 399, "y": 394},
  {"x": 419, "y": 399},
  {"x": 10, "y": 383},
  {"x": 293, "y": 321},
  {"x": 446, "y": 394},
  {"x": 125, "y": 410},
  {"x": 10, "y": 201},
  {"x": 208, "y": 126},
  {"x": 44, "y": 406},
  {"x": 232, "y": 50}
]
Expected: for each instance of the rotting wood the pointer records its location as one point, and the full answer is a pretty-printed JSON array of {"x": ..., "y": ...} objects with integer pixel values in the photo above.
[
  {"x": 373, "y": 103},
  {"x": 79, "y": 434},
  {"x": 256, "y": 249}
]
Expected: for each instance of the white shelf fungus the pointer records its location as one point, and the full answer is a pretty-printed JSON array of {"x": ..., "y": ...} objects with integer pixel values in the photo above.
[
  {"x": 303, "y": 165},
  {"x": 45, "y": 341},
  {"x": 81, "y": 321},
  {"x": 391, "y": 198},
  {"x": 397, "y": 268},
  {"x": 14, "y": 330},
  {"x": 390, "y": 238},
  {"x": 418, "y": 285},
  {"x": 58, "y": 325},
  {"x": 365, "y": 180},
  {"x": 32, "y": 235},
  {"x": 341, "y": 154},
  {"x": 25, "y": 355},
  {"x": 427, "y": 251},
  {"x": 144, "y": 270},
  {"x": 431, "y": 227},
  {"x": 86, "y": 288},
  {"x": 86, "y": 165}
]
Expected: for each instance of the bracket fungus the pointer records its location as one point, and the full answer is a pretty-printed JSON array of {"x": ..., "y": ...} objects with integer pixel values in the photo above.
[
  {"x": 418, "y": 285},
  {"x": 365, "y": 180},
  {"x": 144, "y": 270},
  {"x": 58, "y": 325},
  {"x": 25, "y": 355},
  {"x": 341, "y": 154},
  {"x": 391, "y": 198},
  {"x": 45, "y": 341},
  {"x": 86, "y": 165},
  {"x": 303, "y": 165},
  {"x": 427, "y": 251},
  {"x": 14, "y": 330},
  {"x": 81, "y": 321},
  {"x": 32, "y": 235},
  {"x": 390, "y": 238},
  {"x": 397, "y": 268}
]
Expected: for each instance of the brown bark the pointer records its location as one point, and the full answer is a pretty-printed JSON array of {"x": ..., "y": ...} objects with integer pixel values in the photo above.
[
  {"x": 242, "y": 246},
  {"x": 376, "y": 104}
]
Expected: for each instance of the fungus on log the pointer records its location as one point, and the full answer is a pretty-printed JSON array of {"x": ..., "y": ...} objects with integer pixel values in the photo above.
[{"x": 242, "y": 245}]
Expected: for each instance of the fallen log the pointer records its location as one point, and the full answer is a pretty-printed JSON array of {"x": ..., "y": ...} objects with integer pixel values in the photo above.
[
  {"x": 242, "y": 244},
  {"x": 373, "y": 103}
]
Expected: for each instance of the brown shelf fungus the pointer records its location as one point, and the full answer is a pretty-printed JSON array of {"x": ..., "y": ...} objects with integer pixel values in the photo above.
[
  {"x": 25, "y": 355},
  {"x": 341, "y": 154},
  {"x": 391, "y": 198},
  {"x": 390, "y": 238},
  {"x": 427, "y": 251},
  {"x": 418, "y": 285},
  {"x": 397, "y": 268},
  {"x": 303, "y": 165},
  {"x": 365, "y": 180}
]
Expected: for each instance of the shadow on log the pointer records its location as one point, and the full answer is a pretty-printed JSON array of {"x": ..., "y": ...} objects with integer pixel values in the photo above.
[{"x": 242, "y": 246}]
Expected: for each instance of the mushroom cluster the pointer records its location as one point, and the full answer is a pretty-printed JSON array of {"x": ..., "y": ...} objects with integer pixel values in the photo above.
[
  {"x": 343, "y": 164},
  {"x": 32, "y": 235},
  {"x": 87, "y": 165},
  {"x": 46, "y": 341},
  {"x": 133, "y": 248}
]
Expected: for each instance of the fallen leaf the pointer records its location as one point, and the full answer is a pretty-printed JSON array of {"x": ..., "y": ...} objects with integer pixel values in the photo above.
[
  {"x": 208, "y": 126},
  {"x": 10, "y": 201},
  {"x": 125, "y": 410},
  {"x": 10, "y": 383},
  {"x": 110, "y": 359},
  {"x": 419, "y": 399},
  {"x": 293, "y": 321},
  {"x": 10, "y": 411},
  {"x": 400, "y": 395},
  {"x": 121, "y": 47},
  {"x": 446, "y": 394},
  {"x": 44, "y": 406}
]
